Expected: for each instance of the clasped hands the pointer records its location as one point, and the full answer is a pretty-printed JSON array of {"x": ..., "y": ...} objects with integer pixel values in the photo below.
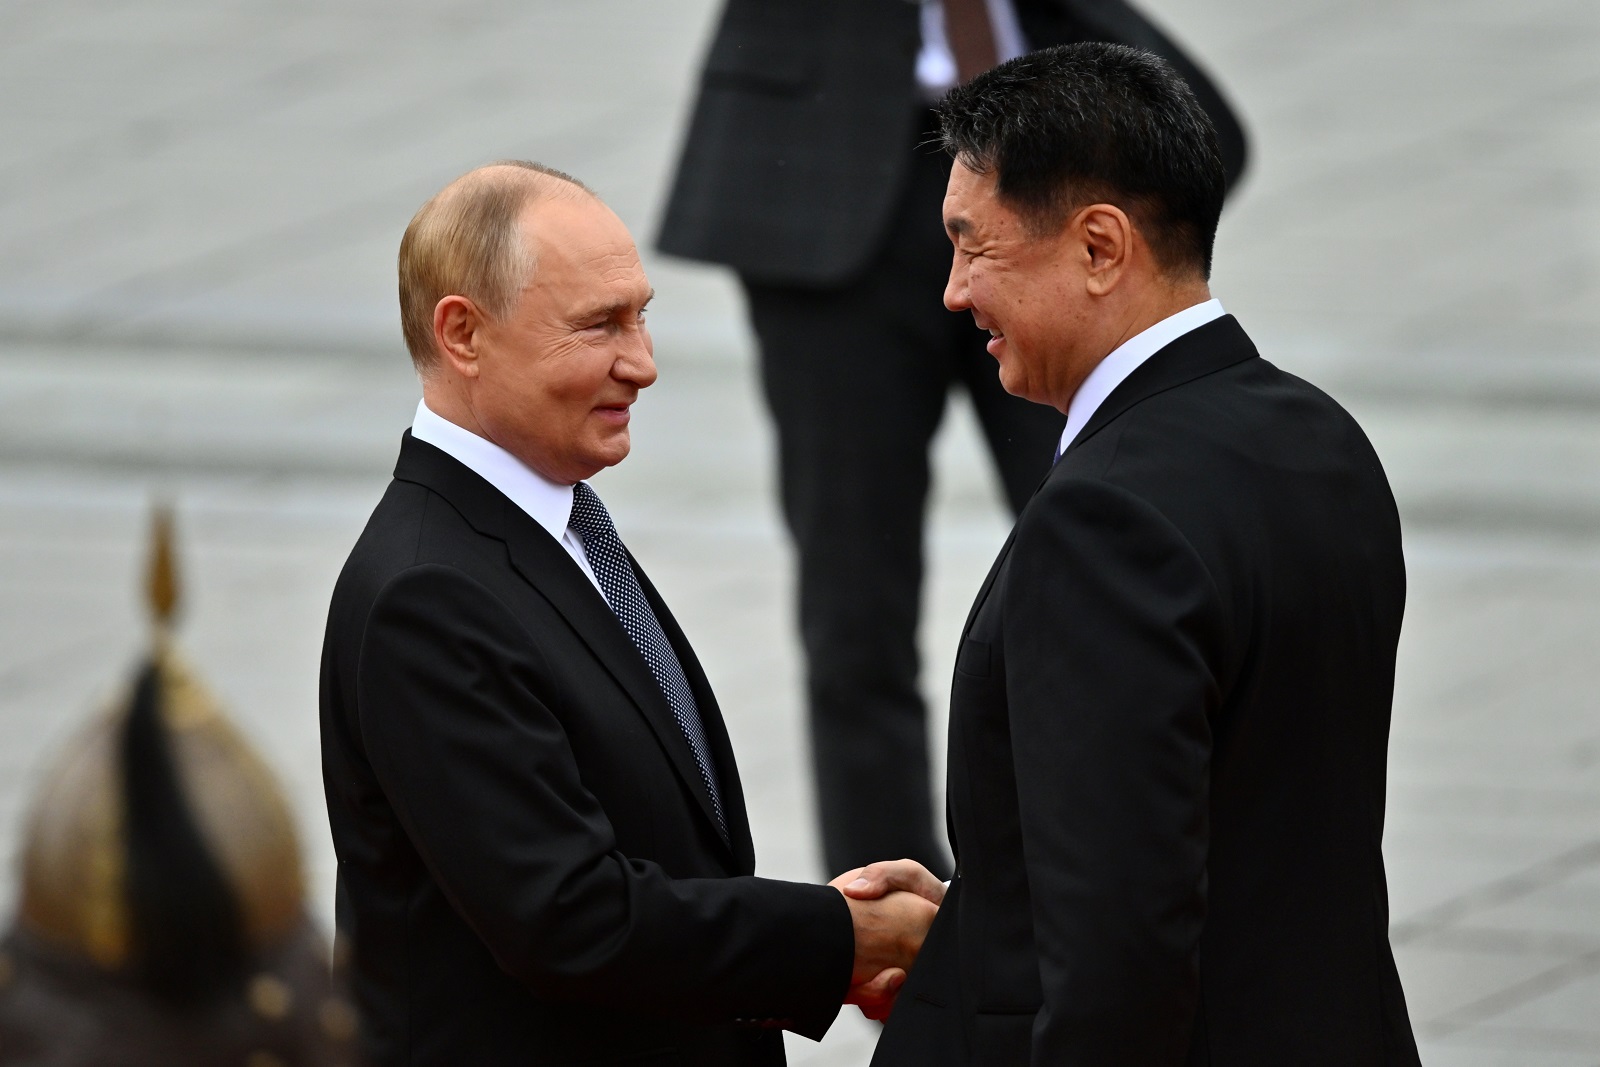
[{"x": 892, "y": 904}]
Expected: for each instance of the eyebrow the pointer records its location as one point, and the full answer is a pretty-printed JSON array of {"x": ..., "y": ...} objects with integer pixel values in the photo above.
[
  {"x": 608, "y": 310},
  {"x": 958, "y": 226}
]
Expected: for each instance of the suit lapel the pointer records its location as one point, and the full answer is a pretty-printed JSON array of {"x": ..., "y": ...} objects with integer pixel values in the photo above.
[
  {"x": 716, "y": 731},
  {"x": 1204, "y": 350},
  {"x": 989, "y": 580},
  {"x": 546, "y": 566},
  {"x": 1218, "y": 344},
  {"x": 541, "y": 561}
]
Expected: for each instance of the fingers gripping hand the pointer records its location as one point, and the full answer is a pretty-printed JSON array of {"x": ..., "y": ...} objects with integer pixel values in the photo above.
[
  {"x": 876, "y": 879},
  {"x": 892, "y": 904},
  {"x": 876, "y": 998},
  {"x": 888, "y": 932}
]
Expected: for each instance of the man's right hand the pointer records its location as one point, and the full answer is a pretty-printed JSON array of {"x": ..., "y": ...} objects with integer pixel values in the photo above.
[
  {"x": 892, "y": 904},
  {"x": 889, "y": 932},
  {"x": 876, "y": 879}
]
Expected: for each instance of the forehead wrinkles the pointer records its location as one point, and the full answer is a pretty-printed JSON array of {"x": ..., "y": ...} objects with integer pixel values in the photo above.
[
  {"x": 613, "y": 261},
  {"x": 592, "y": 279},
  {"x": 580, "y": 257}
]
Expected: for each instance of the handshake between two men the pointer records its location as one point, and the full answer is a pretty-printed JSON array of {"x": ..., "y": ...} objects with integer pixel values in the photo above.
[
  {"x": 544, "y": 851},
  {"x": 1182, "y": 660},
  {"x": 892, "y": 905}
]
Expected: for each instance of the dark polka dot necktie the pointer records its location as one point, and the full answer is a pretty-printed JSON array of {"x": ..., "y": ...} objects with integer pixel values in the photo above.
[{"x": 592, "y": 523}]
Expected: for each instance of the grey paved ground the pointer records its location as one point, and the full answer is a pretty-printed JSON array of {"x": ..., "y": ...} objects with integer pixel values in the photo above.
[{"x": 199, "y": 206}]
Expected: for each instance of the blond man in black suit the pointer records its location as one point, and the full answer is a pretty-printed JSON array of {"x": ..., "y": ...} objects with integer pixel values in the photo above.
[{"x": 544, "y": 856}]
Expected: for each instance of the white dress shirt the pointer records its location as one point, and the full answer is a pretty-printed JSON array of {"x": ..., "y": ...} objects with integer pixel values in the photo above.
[
  {"x": 547, "y": 503},
  {"x": 1116, "y": 367},
  {"x": 936, "y": 64}
]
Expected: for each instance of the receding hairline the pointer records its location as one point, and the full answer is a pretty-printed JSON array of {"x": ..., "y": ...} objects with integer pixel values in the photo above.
[
  {"x": 539, "y": 182},
  {"x": 471, "y": 239}
]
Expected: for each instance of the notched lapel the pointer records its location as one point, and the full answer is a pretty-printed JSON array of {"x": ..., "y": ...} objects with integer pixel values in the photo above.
[
  {"x": 546, "y": 566},
  {"x": 1218, "y": 344},
  {"x": 1204, "y": 350},
  {"x": 712, "y": 722}
]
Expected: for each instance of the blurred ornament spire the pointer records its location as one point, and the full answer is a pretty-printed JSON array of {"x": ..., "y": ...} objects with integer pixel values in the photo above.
[
  {"x": 162, "y": 917},
  {"x": 162, "y": 590}
]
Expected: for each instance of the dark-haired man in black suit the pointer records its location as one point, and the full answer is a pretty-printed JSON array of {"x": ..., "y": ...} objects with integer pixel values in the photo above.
[
  {"x": 802, "y": 171},
  {"x": 1170, "y": 711},
  {"x": 543, "y": 851}
]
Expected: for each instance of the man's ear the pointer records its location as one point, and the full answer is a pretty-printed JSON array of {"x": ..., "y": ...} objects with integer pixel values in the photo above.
[
  {"x": 1107, "y": 236},
  {"x": 456, "y": 325}
]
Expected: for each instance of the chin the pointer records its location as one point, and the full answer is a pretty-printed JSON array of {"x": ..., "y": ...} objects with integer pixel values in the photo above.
[
  {"x": 1015, "y": 384},
  {"x": 613, "y": 451}
]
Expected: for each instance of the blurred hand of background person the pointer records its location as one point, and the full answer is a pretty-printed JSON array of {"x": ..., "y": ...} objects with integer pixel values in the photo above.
[{"x": 804, "y": 169}]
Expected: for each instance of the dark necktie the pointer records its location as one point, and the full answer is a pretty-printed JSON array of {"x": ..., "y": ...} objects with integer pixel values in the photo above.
[
  {"x": 609, "y": 561},
  {"x": 971, "y": 35}
]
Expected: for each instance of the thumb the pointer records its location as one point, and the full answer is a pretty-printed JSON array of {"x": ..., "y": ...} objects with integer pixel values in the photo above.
[{"x": 877, "y": 879}]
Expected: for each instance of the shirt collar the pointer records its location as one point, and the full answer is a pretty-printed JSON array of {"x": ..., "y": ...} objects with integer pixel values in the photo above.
[
  {"x": 545, "y": 502},
  {"x": 1115, "y": 368}
]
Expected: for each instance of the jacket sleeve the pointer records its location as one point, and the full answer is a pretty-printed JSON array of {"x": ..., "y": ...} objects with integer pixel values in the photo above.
[
  {"x": 1112, "y": 634},
  {"x": 451, "y": 692}
]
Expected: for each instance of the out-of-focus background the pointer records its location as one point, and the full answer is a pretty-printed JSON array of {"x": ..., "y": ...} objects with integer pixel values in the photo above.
[{"x": 200, "y": 203}]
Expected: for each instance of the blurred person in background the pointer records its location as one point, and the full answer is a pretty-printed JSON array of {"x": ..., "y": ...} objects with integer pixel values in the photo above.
[
  {"x": 162, "y": 918},
  {"x": 1169, "y": 715},
  {"x": 544, "y": 854},
  {"x": 805, "y": 170}
]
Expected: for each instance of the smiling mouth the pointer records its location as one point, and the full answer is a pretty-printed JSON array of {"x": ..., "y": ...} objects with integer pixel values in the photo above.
[{"x": 995, "y": 332}]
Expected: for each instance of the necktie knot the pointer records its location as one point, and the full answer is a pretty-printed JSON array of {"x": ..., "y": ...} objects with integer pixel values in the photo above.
[{"x": 589, "y": 518}]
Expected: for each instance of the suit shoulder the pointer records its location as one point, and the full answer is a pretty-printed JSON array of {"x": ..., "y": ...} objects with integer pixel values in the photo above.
[
  {"x": 1101, "y": 511},
  {"x": 412, "y": 526},
  {"x": 391, "y": 538},
  {"x": 1244, "y": 461},
  {"x": 1248, "y": 425}
]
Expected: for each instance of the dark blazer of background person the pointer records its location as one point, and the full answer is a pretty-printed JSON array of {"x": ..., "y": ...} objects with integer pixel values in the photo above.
[
  {"x": 1201, "y": 603},
  {"x": 521, "y": 774},
  {"x": 801, "y": 170},
  {"x": 802, "y": 134}
]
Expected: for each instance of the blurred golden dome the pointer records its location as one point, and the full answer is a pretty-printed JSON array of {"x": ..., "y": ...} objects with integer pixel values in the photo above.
[{"x": 75, "y": 860}]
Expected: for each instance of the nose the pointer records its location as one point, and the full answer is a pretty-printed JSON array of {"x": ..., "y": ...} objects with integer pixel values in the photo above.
[
  {"x": 636, "y": 362},
  {"x": 956, "y": 296}
]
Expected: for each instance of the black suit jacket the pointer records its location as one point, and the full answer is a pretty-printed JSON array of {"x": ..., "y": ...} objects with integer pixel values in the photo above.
[
  {"x": 1168, "y": 734},
  {"x": 529, "y": 867},
  {"x": 808, "y": 116}
]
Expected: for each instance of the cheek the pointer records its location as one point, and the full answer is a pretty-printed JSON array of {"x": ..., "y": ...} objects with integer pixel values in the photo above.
[
  {"x": 983, "y": 291},
  {"x": 999, "y": 290},
  {"x": 575, "y": 376}
]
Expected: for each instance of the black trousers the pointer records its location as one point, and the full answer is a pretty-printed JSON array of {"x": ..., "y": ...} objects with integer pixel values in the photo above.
[{"x": 856, "y": 379}]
